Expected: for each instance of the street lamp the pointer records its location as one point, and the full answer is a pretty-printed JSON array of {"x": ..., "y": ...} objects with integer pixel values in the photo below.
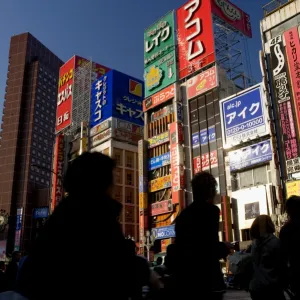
[{"x": 148, "y": 241}]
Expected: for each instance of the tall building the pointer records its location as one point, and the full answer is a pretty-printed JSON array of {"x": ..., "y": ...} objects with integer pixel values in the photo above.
[{"x": 27, "y": 137}]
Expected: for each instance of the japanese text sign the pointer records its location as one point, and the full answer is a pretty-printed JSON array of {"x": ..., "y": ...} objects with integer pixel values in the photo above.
[
  {"x": 159, "y": 39},
  {"x": 19, "y": 222},
  {"x": 143, "y": 201},
  {"x": 101, "y": 137},
  {"x": 163, "y": 112},
  {"x": 206, "y": 136},
  {"x": 160, "y": 97},
  {"x": 160, "y": 183},
  {"x": 162, "y": 207},
  {"x": 160, "y": 74},
  {"x": 195, "y": 36},
  {"x": 129, "y": 127},
  {"x": 202, "y": 82},
  {"x": 292, "y": 188},
  {"x": 250, "y": 156},
  {"x": 100, "y": 127},
  {"x": 41, "y": 212},
  {"x": 158, "y": 140},
  {"x": 166, "y": 232},
  {"x": 129, "y": 137},
  {"x": 205, "y": 162},
  {"x": 293, "y": 165},
  {"x": 159, "y": 161},
  {"x": 65, "y": 95},
  {"x": 293, "y": 55},
  {"x": 243, "y": 117},
  {"x": 233, "y": 15}
]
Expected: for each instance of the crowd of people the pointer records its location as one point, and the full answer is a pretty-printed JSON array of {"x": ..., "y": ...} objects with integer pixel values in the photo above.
[{"x": 86, "y": 222}]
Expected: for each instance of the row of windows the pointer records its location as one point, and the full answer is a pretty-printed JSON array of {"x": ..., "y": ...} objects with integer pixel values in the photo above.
[
  {"x": 38, "y": 154},
  {"x": 42, "y": 164},
  {"x": 44, "y": 72},
  {"x": 40, "y": 130},
  {"x": 41, "y": 171},
  {"x": 129, "y": 194},
  {"x": 41, "y": 139},
  {"x": 44, "y": 125},
  {"x": 40, "y": 92},
  {"x": 129, "y": 177},
  {"x": 39, "y": 180},
  {"x": 129, "y": 158},
  {"x": 47, "y": 150}
]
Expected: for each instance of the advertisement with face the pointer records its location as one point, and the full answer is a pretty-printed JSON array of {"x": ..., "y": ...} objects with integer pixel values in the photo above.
[{"x": 195, "y": 37}]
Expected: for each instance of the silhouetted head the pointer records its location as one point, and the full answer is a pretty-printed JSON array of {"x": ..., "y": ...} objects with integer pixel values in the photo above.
[
  {"x": 2, "y": 266},
  {"x": 261, "y": 227},
  {"x": 16, "y": 256},
  {"x": 159, "y": 261},
  {"x": 293, "y": 207},
  {"x": 130, "y": 246},
  {"x": 90, "y": 173},
  {"x": 204, "y": 187}
]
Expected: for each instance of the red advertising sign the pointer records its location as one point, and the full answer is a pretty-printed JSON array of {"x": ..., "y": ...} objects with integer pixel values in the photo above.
[
  {"x": 162, "y": 207},
  {"x": 233, "y": 15},
  {"x": 58, "y": 169},
  {"x": 65, "y": 95},
  {"x": 202, "y": 82},
  {"x": 293, "y": 54},
  {"x": 205, "y": 161},
  {"x": 195, "y": 36},
  {"x": 164, "y": 95}
]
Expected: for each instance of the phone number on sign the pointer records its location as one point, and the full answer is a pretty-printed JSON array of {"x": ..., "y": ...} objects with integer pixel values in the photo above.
[{"x": 245, "y": 126}]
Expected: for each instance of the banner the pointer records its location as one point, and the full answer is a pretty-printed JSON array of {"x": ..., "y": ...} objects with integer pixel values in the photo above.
[
  {"x": 18, "y": 232},
  {"x": 143, "y": 200},
  {"x": 161, "y": 113},
  {"x": 159, "y": 161},
  {"x": 205, "y": 162},
  {"x": 160, "y": 183},
  {"x": 250, "y": 156},
  {"x": 243, "y": 117},
  {"x": 160, "y": 97},
  {"x": 162, "y": 207},
  {"x": 164, "y": 232},
  {"x": 65, "y": 95},
  {"x": 284, "y": 105},
  {"x": 232, "y": 15},
  {"x": 195, "y": 37},
  {"x": 201, "y": 83},
  {"x": 158, "y": 140},
  {"x": 205, "y": 136},
  {"x": 99, "y": 128}
]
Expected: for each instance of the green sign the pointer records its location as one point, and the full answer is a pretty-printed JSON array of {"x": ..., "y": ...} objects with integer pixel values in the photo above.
[
  {"x": 159, "y": 39},
  {"x": 160, "y": 74}
]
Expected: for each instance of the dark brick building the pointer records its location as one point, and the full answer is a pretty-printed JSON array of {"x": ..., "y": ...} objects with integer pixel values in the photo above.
[{"x": 27, "y": 136}]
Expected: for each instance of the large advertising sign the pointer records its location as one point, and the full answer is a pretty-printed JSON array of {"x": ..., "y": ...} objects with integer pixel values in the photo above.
[
  {"x": 118, "y": 95},
  {"x": 243, "y": 117},
  {"x": 159, "y": 161},
  {"x": 58, "y": 169},
  {"x": 160, "y": 183},
  {"x": 164, "y": 232},
  {"x": 232, "y": 15},
  {"x": 203, "y": 82},
  {"x": 65, "y": 95},
  {"x": 205, "y": 162},
  {"x": 160, "y": 55},
  {"x": 195, "y": 37},
  {"x": 284, "y": 105},
  {"x": 18, "y": 232},
  {"x": 250, "y": 156},
  {"x": 160, "y": 97},
  {"x": 293, "y": 55}
]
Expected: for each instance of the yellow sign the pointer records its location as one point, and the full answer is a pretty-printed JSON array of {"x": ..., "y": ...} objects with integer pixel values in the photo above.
[
  {"x": 143, "y": 199},
  {"x": 160, "y": 183},
  {"x": 158, "y": 139},
  {"x": 293, "y": 188},
  {"x": 65, "y": 78}
]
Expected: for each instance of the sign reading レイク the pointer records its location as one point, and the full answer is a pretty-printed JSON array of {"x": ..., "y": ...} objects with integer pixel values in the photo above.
[
  {"x": 243, "y": 117},
  {"x": 202, "y": 82},
  {"x": 162, "y": 96},
  {"x": 195, "y": 37},
  {"x": 65, "y": 95},
  {"x": 233, "y": 15}
]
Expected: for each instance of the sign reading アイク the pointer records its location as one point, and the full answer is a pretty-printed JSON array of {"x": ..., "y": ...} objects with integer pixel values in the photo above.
[
  {"x": 243, "y": 117},
  {"x": 293, "y": 54},
  {"x": 195, "y": 37},
  {"x": 162, "y": 96},
  {"x": 65, "y": 95},
  {"x": 233, "y": 15},
  {"x": 202, "y": 82}
]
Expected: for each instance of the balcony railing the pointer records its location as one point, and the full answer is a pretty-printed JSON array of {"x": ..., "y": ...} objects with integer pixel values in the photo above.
[{"x": 274, "y": 6}]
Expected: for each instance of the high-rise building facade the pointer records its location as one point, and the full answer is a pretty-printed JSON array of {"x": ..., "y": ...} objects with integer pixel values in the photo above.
[{"x": 27, "y": 137}]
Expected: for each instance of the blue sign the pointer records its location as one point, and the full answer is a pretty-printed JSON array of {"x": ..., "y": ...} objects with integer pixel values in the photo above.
[
  {"x": 40, "y": 212},
  {"x": 166, "y": 232},
  {"x": 117, "y": 95},
  {"x": 143, "y": 184},
  {"x": 195, "y": 139},
  {"x": 207, "y": 135},
  {"x": 179, "y": 112},
  {"x": 159, "y": 161},
  {"x": 243, "y": 117},
  {"x": 251, "y": 155}
]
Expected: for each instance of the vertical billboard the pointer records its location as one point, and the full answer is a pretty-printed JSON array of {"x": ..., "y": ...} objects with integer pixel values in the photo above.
[
  {"x": 292, "y": 46},
  {"x": 195, "y": 37},
  {"x": 232, "y": 15},
  {"x": 243, "y": 117},
  {"x": 65, "y": 95},
  {"x": 283, "y": 102},
  {"x": 118, "y": 95},
  {"x": 18, "y": 232},
  {"x": 160, "y": 55},
  {"x": 58, "y": 171}
]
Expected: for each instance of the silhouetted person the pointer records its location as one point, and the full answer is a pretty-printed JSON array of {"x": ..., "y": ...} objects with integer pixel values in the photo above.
[
  {"x": 3, "y": 281},
  {"x": 268, "y": 264},
  {"x": 12, "y": 270},
  {"x": 84, "y": 225},
  {"x": 198, "y": 271},
  {"x": 290, "y": 242}
]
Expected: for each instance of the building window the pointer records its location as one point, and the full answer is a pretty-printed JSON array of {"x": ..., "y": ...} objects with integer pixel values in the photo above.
[
  {"x": 129, "y": 177},
  {"x": 129, "y": 159},
  {"x": 118, "y": 176},
  {"x": 129, "y": 195},
  {"x": 129, "y": 214},
  {"x": 118, "y": 193},
  {"x": 129, "y": 230},
  {"x": 118, "y": 153}
]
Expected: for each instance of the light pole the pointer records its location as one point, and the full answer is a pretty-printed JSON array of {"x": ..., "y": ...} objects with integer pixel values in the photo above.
[
  {"x": 148, "y": 241},
  {"x": 279, "y": 219}
]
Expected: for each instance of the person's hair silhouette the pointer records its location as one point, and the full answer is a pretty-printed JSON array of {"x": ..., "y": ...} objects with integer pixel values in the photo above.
[{"x": 204, "y": 187}]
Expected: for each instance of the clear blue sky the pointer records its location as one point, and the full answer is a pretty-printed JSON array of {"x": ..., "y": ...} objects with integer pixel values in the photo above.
[{"x": 108, "y": 31}]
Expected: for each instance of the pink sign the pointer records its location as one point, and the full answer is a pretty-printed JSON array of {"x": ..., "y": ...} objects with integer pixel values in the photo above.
[
  {"x": 205, "y": 161},
  {"x": 202, "y": 82},
  {"x": 233, "y": 15},
  {"x": 162, "y": 207},
  {"x": 293, "y": 54}
]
